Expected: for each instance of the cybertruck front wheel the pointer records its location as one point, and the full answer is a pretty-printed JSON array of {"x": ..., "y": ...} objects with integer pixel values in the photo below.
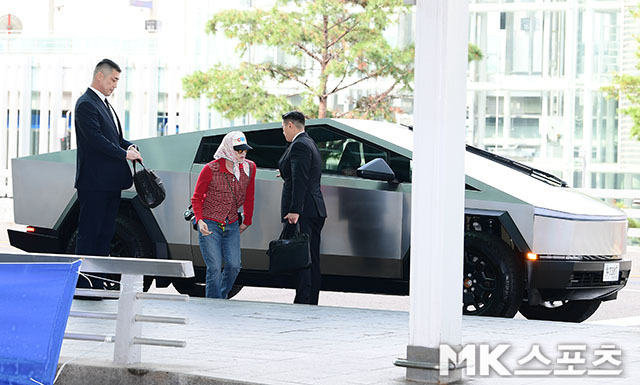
[{"x": 493, "y": 281}]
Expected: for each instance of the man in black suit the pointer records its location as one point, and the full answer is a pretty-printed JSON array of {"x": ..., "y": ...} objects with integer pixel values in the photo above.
[
  {"x": 102, "y": 171},
  {"x": 300, "y": 168}
]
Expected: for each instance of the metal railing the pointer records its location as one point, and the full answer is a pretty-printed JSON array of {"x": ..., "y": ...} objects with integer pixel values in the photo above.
[{"x": 128, "y": 338}]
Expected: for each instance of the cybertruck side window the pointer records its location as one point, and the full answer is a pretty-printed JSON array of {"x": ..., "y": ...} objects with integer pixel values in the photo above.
[
  {"x": 268, "y": 146},
  {"x": 208, "y": 147},
  {"x": 401, "y": 166},
  {"x": 342, "y": 155}
]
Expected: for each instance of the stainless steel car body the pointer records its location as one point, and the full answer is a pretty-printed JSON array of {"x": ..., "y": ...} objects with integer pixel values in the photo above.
[{"x": 368, "y": 228}]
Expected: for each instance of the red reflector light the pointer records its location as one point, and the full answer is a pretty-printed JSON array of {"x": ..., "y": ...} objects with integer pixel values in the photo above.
[{"x": 31, "y": 229}]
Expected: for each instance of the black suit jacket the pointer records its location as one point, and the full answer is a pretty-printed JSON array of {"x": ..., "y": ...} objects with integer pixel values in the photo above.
[
  {"x": 101, "y": 162},
  {"x": 301, "y": 168}
]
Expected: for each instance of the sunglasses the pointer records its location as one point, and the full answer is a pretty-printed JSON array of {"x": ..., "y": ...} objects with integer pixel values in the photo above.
[{"x": 241, "y": 151}]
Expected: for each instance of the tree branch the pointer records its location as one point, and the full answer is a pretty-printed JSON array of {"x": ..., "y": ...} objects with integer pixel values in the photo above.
[
  {"x": 341, "y": 114},
  {"x": 345, "y": 33},
  {"x": 359, "y": 80},
  {"x": 339, "y": 23},
  {"x": 344, "y": 75},
  {"x": 287, "y": 76},
  {"x": 314, "y": 57}
]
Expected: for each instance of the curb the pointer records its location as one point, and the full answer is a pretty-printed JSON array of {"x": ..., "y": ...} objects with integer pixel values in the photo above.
[{"x": 82, "y": 374}]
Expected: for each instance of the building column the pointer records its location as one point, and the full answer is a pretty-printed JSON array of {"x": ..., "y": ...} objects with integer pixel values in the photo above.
[
  {"x": 587, "y": 105},
  {"x": 569, "y": 118},
  {"x": 437, "y": 218},
  {"x": 506, "y": 119}
]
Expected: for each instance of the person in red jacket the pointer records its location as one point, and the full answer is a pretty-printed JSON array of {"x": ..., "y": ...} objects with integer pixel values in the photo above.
[{"x": 224, "y": 186}]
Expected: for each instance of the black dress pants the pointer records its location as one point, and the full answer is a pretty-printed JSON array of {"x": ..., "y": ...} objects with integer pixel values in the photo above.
[
  {"x": 97, "y": 221},
  {"x": 308, "y": 280}
]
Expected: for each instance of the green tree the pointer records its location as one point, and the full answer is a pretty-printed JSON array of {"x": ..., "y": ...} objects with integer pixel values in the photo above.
[
  {"x": 343, "y": 39},
  {"x": 628, "y": 86}
]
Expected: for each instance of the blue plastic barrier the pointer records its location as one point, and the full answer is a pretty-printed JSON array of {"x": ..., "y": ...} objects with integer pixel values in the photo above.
[{"x": 35, "y": 299}]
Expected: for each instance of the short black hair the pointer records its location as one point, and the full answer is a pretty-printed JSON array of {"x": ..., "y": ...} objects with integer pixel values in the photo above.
[
  {"x": 294, "y": 116},
  {"x": 106, "y": 66}
]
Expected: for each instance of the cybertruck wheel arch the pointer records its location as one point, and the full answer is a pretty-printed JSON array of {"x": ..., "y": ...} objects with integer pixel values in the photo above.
[
  {"x": 130, "y": 206},
  {"x": 494, "y": 221}
]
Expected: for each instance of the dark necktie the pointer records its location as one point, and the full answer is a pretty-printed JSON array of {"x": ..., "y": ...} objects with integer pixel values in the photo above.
[{"x": 114, "y": 115}]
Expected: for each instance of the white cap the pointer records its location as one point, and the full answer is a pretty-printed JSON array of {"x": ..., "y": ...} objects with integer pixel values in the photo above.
[{"x": 240, "y": 142}]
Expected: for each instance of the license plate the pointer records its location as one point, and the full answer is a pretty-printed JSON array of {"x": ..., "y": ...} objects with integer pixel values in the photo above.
[{"x": 610, "y": 272}]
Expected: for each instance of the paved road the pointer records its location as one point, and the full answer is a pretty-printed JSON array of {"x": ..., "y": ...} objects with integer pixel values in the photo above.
[{"x": 623, "y": 311}]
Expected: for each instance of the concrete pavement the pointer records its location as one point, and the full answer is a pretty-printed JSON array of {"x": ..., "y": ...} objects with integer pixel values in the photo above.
[
  {"x": 232, "y": 342},
  {"x": 246, "y": 342}
]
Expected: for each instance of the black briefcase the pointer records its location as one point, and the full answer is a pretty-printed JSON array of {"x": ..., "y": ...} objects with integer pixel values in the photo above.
[
  {"x": 148, "y": 186},
  {"x": 288, "y": 255}
]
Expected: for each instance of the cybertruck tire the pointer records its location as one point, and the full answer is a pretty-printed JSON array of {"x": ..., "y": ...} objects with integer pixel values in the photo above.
[
  {"x": 563, "y": 311},
  {"x": 129, "y": 240},
  {"x": 493, "y": 281}
]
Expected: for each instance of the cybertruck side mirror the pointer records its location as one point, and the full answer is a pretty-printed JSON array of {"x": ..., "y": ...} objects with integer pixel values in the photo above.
[{"x": 376, "y": 169}]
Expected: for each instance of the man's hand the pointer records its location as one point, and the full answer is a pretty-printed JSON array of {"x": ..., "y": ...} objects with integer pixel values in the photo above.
[
  {"x": 133, "y": 154},
  {"x": 204, "y": 229},
  {"x": 243, "y": 227},
  {"x": 292, "y": 218}
]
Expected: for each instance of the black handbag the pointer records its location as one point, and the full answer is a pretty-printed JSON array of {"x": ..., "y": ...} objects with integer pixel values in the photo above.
[
  {"x": 148, "y": 186},
  {"x": 288, "y": 255}
]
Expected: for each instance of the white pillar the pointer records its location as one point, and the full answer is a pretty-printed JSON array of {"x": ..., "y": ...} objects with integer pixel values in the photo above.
[
  {"x": 438, "y": 186},
  {"x": 203, "y": 108},
  {"x": 24, "y": 136},
  {"x": 4, "y": 107},
  {"x": 173, "y": 83},
  {"x": 14, "y": 107},
  {"x": 506, "y": 119},
  {"x": 57, "y": 123},
  {"x": 587, "y": 112},
  {"x": 45, "y": 86},
  {"x": 152, "y": 97},
  {"x": 569, "y": 119}
]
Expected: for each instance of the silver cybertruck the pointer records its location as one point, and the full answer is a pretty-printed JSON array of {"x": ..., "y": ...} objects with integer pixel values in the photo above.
[{"x": 531, "y": 243}]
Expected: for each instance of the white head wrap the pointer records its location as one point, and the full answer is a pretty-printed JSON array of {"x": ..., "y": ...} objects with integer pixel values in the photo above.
[{"x": 226, "y": 151}]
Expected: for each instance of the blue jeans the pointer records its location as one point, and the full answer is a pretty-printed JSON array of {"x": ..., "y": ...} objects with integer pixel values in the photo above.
[{"x": 217, "y": 247}]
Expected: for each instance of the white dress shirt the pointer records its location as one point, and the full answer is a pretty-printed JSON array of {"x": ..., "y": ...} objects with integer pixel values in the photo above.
[{"x": 103, "y": 98}]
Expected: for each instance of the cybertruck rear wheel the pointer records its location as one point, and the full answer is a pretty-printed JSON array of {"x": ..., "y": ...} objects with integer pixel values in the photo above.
[
  {"x": 493, "y": 281},
  {"x": 564, "y": 311},
  {"x": 129, "y": 240}
]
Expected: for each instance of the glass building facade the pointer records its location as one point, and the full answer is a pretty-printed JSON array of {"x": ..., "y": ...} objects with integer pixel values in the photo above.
[{"x": 536, "y": 96}]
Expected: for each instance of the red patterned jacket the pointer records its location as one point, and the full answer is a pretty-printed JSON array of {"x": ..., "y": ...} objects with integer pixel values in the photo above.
[{"x": 213, "y": 198}]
